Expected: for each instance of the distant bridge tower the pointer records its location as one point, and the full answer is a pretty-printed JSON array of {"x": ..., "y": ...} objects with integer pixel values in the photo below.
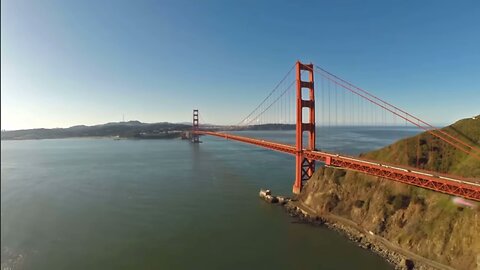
[
  {"x": 304, "y": 167},
  {"x": 195, "y": 138}
]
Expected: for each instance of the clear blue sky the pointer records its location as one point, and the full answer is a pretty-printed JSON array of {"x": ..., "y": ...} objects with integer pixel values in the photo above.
[{"x": 65, "y": 62}]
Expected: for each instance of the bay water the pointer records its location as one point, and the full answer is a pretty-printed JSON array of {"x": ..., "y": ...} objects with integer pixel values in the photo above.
[{"x": 90, "y": 203}]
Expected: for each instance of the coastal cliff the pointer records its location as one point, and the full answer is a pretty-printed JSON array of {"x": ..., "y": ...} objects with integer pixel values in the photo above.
[{"x": 420, "y": 221}]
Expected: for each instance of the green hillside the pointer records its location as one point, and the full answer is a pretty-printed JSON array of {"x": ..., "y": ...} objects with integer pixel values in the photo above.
[
  {"x": 431, "y": 153},
  {"x": 418, "y": 220}
]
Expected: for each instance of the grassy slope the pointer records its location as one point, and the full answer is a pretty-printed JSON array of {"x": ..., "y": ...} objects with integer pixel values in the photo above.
[
  {"x": 434, "y": 154},
  {"x": 422, "y": 221}
]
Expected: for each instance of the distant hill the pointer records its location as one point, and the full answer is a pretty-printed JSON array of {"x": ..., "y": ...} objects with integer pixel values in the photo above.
[{"x": 130, "y": 129}]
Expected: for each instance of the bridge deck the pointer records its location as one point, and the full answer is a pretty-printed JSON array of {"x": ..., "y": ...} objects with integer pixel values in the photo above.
[{"x": 453, "y": 185}]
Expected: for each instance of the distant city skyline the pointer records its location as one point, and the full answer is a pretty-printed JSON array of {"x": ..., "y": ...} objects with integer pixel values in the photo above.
[{"x": 67, "y": 63}]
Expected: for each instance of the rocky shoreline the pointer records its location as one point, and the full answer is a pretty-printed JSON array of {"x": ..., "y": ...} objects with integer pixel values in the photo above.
[{"x": 399, "y": 261}]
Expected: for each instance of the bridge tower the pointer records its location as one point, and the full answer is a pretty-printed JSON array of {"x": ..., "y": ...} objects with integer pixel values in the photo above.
[
  {"x": 195, "y": 138},
  {"x": 304, "y": 167}
]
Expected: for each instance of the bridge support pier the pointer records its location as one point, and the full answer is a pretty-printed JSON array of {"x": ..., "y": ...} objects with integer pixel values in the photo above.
[
  {"x": 304, "y": 167},
  {"x": 195, "y": 138}
]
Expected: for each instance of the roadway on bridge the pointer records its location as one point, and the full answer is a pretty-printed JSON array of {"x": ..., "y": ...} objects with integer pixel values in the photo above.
[{"x": 453, "y": 185}]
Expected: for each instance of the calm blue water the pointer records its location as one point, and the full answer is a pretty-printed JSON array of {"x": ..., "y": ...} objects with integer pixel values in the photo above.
[{"x": 165, "y": 204}]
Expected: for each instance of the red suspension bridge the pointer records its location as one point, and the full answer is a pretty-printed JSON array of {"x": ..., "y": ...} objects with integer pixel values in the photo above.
[{"x": 342, "y": 103}]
